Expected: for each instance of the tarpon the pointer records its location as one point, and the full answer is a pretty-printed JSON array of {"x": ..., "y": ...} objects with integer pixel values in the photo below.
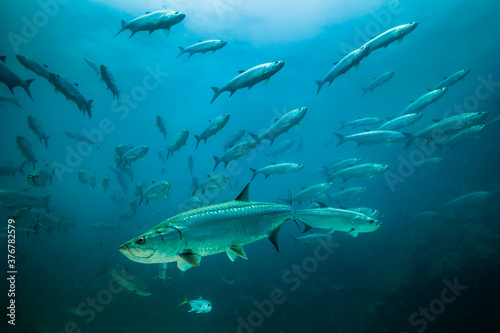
[
  {"x": 377, "y": 82},
  {"x": 110, "y": 82},
  {"x": 162, "y": 126},
  {"x": 156, "y": 190},
  {"x": 151, "y": 21},
  {"x": 213, "y": 127},
  {"x": 235, "y": 152},
  {"x": 12, "y": 100},
  {"x": 470, "y": 198},
  {"x": 359, "y": 171},
  {"x": 233, "y": 138},
  {"x": 346, "y": 63},
  {"x": 312, "y": 192},
  {"x": 334, "y": 219},
  {"x": 282, "y": 125},
  {"x": 361, "y": 122},
  {"x": 33, "y": 66},
  {"x": 462, "y": 135},
  {"x": 177, "y": 142},
  {"x": 226, "y": 227},
  {"x": 11, "y": 79},
  {"x": 41, "y": 176},
  {"x": 202, "y": 47},
  {"x": 398, "y": 123},
  {"x": 36, "y": 126},
  {"x": 249, "y": 78},
  {"x": 85, "y": 176},
  {"x": 373, "y": 137},
  {"x": 26, "y": 149},
  {"x": 281, "y": 147},
  {"x": 92, "y": 65},
  {"x": 11, "y": 170},
  {"x": 133, "y": 154},
  {"x": 82, "y": 137},
  {"x": 71, "y": 92},
  {"x": 390, "y": 36},
  {"x": 210, "y": 183},
  {"x": 347, "y": 194},
  {"x": 424, "y": 101},
  {"x": 449, "y": 125},
  {"x": 125, "y": 279},
  {"x": 452, "y": 79},
  {"x": 277, "y": 169}
]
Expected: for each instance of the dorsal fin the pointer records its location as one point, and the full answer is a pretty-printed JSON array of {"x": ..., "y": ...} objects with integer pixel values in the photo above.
[
  {"x": 244, "y": 194},
  {"x": 322, "y": 205},
  {"x": 241, "y": 72},
  {"x": 2, "y": 58}
]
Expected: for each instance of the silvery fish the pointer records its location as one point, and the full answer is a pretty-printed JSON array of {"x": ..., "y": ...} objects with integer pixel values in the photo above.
[{"x": 187, "y": 237}]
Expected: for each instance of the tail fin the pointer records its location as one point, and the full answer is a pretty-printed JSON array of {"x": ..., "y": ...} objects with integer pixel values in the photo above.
[
  {"x": 342, "y": 124},
  {"x": 216, "y": 162},
  {"x": 27, "y": 88},
  {"x": 105, "y": 267},
  {"x": 123, "y": 28},
  {"x": 254, "y": 136},
  {"x": 341, "y": 137},
  {"x": 184, "y": 301},
  {"x": 21, "y": 168},
  {"x": 217, "y": 92},
  {"x": 182, "y": 51},
  {"x": 254, "y": 173},
  {"x": 364, "y": 90},
  {"x": 318, "y": 82},
  {"x": 197, "y": 141}
]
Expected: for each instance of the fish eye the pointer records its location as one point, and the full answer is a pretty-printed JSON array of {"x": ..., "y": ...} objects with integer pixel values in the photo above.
[
  {"x": 140, "y": 240},
  {"x": 371, "y": 221}
]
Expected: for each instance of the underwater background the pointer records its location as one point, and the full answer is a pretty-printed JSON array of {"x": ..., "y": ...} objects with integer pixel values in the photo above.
[{"x": 399, "y": 278}]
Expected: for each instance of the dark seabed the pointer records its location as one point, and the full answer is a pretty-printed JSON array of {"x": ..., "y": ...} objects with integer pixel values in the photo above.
[{"x": 432, "y": 266}]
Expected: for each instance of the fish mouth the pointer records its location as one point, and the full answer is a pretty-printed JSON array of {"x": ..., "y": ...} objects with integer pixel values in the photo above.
[{"x": 127, "y": 251}]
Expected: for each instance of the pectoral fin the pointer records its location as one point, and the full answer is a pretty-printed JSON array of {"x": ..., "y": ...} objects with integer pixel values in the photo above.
[
  {"x": 353, "y": 233},
  {"x": 235, "y": 251},
  {"x": 183, "y": 266},
  {"x": 166, "y": 31},
  {"x": 190, "y": 258}
]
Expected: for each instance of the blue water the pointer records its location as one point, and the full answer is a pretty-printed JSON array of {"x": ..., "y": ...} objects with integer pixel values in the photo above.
[{"x": 377, "y": 282}]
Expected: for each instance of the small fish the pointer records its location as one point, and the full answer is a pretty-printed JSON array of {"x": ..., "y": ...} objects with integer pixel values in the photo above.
[
  {"x": 377, "y": 82},
  {"x": 105, "y": 183},
  {"x": 82, "y": 138},
  {"x": 374, "y": 137},
  {"x": 162, "y": 126},
  {"x": 210, "y": 183},
  {"x": 390, "y": 36},
  {"x": 151, "y": 21},
  {"x": 11, "y": 80},
  {"x": 133, "y": 154},
  {"x": 282, "y": 125},
  {"x": 125, "y": 279},
  {"x": 36, "y": 126},
  {"x": 71, "y": 92},
  {"x": 156, "y": 190},
  {"x": 250, "y": 77},
  {"x": 110, "y": 82},
  {"x": 452, "y": 79},
  {"x": 281, "y": 147},
  {"x": 361, "y": 122},
  {"x": 12, "y": 100},
  {"x": 177, "y": 142},
  {"x": 41, "y": 176},
  {"x": 191, "y": 203},
  {"x": 199, "y": 305},
  {"x": 11, "y": 170},
  {"x": 190, "y": 164},
  {"x": 235, "y": 152},
  {"x": 312, "y": 239},
  {"x": 277, "y": 169},
  {"x": 162, "y": 272},
  {"x": 92, "y": 65},
  {"x": 359, "y": 171},
  {"x": 202, "y": 47},
  {"x": 347, "y": 62},
  {"x": 26, "y": 149},
  {"x": 424, "y": 101},
  {"x": 213, "y": 127},
  {"x": 233, "y": 138},
  {"x": 86, "y": 177}
]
